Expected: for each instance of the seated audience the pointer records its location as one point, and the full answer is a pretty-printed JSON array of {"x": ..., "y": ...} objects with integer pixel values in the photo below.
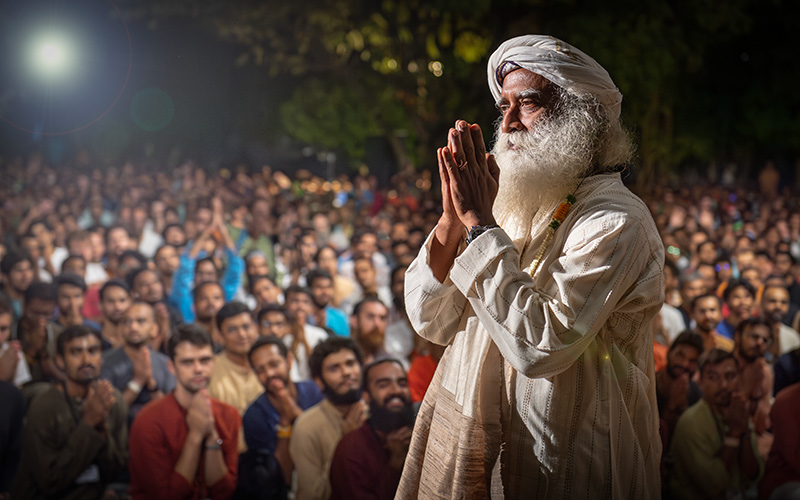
[
  {"x": 368, "y": 327},
  {"x": 774, "y": 306},
  {"x": 706, "y": 314},
  {"x": 233, "y": 380},
  {"x": 184, "y": 445},
  {"x": 336, "y": 368},
  {"x": 714, "y": 453},
  {"x": 781, "y": 479},
  {"x": 368, "y": 461},
  {"x": 675, "y": 389},
  {"x": 76, "y": 434},
  {"x": 134, "y": 368},
  {"x": 267, "y": 423}
]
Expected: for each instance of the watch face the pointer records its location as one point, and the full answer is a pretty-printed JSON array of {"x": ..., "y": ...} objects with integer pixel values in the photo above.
[{"x": 474, "y": 233}]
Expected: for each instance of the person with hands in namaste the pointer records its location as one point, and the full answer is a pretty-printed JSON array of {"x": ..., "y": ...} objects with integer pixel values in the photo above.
[
  {"x": 76, "y": 432},
  {"x": 546, "y": 388}
]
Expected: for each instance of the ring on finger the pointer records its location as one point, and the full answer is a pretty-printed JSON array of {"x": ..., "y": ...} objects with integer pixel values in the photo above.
[{"x": 462, "y": 165}]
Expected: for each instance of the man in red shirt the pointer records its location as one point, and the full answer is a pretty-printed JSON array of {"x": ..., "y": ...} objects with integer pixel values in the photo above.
[
  {"x": 184, "y": 445},
  {"x": 368, "y": 461}
]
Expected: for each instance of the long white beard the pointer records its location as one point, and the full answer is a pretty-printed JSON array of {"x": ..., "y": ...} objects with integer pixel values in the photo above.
[{"x": 538, "y": 169}]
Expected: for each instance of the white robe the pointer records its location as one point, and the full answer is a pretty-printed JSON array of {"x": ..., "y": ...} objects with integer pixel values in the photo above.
[{"x": 553, "y": 375}]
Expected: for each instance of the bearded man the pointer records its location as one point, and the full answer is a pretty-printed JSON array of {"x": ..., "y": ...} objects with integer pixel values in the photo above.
[{"x": 546, "y": 389}]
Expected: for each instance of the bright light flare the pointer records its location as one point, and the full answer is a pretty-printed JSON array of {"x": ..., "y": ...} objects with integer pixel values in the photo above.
[{"x": 52, "y": 56}]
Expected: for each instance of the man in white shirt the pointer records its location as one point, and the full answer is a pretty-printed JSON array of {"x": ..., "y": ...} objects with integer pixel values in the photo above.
[{"x": 549, "y": 365}]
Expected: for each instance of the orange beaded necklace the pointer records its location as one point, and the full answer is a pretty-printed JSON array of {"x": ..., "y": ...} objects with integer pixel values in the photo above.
[{"x": 558, "y": 217}]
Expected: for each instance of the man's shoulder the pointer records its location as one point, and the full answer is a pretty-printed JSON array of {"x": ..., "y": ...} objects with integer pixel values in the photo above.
[
  {"x": 309, "y": 421},
  {"x": 607, "y": 196},
  {"x": 222, "y": 365},
  {"x": 315, "y": 334},
  {"x": 158, "y": 357},
  {"x": 308, "y": 394},
  {"x": 114, "y": 355},
  {"x": 694, "y": 421},
  {"x": 44, "y": 398},
  {"x": 158, "y": 411},
  {"x": 789, "y": 395},
  {"x": 224, "y": 409},
  {"x": 357, "y": 442},
  {"x": 258, "y": 408}
]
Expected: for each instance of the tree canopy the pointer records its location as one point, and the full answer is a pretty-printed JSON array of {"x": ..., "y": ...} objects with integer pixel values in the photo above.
[{"x": 703, "y": 81}]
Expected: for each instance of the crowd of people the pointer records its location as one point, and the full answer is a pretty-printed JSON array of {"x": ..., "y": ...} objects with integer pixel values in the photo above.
[{"x": 185, "y": 334}]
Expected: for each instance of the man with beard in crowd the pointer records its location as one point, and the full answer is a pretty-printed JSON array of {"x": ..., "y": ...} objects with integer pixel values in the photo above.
[
  {"x": 547, "y": 315},
  {"x": 35, "y": 331},
  {"x": 706, "y": 314},
  {"x": 115, "y": 299},
  {"x": 774, "y": 306},
  {"x": 753, "y": 338},
  {"x": 714, "y": 451},
  {"x": 336, "y": 368},
  {"x": 76, "y": 434},
  {"x": 267, "y": 423},
  {"x": 138, "y": 372},
  {"x": 146, "y": 286},
  {"x": 185, "y": 444},
  {"x": 368, "y": 461},
  {"x": 675, "y": 388},
  {"x": 369, "y": 328}
]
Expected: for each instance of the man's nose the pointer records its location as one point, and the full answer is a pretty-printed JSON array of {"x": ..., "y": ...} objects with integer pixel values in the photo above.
[{"x": 511, "y": 121}]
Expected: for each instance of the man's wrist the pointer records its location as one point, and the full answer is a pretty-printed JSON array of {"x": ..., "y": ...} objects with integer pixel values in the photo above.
[
  {"x": 135, "y": 386},
  {"x": 732, "y": 441},
  {"x": 215, "y": 444},
  {"x": 475, "y": 231},
  {"x": 283, "y": 431}
]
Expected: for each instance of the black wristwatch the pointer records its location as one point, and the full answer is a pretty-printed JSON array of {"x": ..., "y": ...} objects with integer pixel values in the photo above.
[{"x": 476, "y": 231}]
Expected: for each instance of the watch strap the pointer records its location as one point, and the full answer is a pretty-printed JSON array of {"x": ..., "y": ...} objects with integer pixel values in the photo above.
[{"x": 476, "y": 231}]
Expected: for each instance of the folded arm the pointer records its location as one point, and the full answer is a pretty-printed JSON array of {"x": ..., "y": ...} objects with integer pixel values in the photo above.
[{"x": 607, "y": 266}]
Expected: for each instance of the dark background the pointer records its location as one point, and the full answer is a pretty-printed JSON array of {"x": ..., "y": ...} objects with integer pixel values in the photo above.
[{"x": 334, "y": 85}]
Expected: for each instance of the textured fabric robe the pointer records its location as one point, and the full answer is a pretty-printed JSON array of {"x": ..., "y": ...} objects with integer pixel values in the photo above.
[{"x": 547, "y": 388}]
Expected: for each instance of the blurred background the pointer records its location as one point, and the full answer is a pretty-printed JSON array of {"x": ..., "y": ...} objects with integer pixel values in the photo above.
[{"x": 336, "y": 85}]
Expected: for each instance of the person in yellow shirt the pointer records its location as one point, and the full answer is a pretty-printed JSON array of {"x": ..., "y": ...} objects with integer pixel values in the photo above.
[{"x": 233, "y": 380}]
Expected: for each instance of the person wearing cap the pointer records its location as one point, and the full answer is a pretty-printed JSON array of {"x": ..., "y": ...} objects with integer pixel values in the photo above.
[{"x": 547, "y": 387}]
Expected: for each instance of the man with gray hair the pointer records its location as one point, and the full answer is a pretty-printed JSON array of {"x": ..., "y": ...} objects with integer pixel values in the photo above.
[{"x": 546, "y": 389}]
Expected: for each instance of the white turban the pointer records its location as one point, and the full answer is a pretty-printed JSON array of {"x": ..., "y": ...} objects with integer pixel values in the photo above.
[{"x": 562, "y": 64}]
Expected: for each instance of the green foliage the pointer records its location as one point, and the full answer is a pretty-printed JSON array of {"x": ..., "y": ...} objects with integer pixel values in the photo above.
[{"x": 373, "y": 68}]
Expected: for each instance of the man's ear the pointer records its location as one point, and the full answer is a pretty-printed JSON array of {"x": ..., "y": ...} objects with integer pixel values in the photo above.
[
  {"x": 365, "y": 396},
  {"x": 320, "y": 384},
  {"x": 60, "y": 363},
  {"x": 290, "y": 360},
  {"x": 171, "y": 366}
]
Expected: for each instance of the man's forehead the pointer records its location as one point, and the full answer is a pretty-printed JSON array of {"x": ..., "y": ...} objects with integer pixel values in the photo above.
[
  {"x": 84, "y": 342},
  {"x": 270, "y": 351},
  {"x": 340, "y": 356},
  {"x": 758, "y": 328},
  {"x": 138, "y": 310},
  {"x": 388, "y": 370},
  {"x": 187, "y": 350},
  {"x": 522, "y": 79}
]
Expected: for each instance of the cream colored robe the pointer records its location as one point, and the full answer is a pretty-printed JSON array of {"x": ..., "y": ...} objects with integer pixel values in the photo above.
[{"x": 553, "y": 375}]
